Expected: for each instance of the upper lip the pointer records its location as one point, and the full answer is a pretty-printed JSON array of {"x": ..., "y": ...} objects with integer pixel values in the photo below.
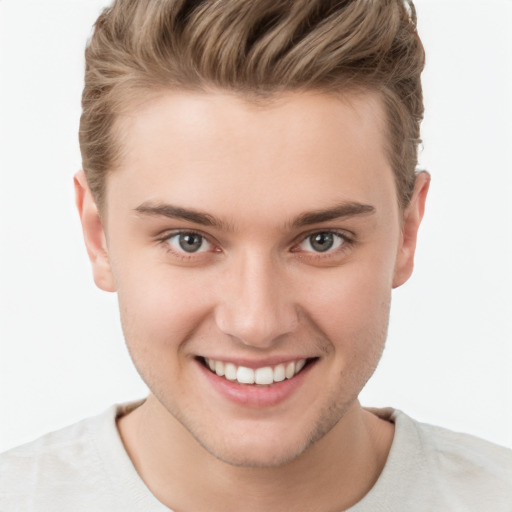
[{"x": 258, "y": 363}]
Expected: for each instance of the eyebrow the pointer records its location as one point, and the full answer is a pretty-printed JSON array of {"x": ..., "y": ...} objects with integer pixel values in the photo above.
[
  {"x": 342, "y": 210},
  {"x": 177, "y": 212}
]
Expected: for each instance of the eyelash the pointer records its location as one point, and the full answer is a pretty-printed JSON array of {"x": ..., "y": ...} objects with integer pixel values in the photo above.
[
  {"x": 164, "y": 240},
  {"x": 347, "y": 242}
]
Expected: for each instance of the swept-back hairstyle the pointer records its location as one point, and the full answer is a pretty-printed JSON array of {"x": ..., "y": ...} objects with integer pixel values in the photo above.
[{"x": 256, "y": 48}]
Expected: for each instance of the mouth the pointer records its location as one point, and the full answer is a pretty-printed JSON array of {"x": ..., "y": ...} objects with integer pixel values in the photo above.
[{"x": 261, "y": 376}]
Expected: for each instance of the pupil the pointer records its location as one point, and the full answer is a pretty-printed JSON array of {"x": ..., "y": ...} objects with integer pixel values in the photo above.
[
  {"x": 190, "y": 242},
  {"x": 322, "y": 242}
]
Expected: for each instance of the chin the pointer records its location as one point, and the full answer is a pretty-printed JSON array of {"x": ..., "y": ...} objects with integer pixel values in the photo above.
[
  {"x": 256, "y": 456},
  {"x": 259, "y": 447}
]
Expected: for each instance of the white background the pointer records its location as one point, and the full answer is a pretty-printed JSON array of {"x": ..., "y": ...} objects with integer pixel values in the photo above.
[{"x": 449, "y": 356}]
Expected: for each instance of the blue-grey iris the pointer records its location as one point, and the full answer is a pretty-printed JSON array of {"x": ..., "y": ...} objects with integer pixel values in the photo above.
[
  {"x": 190, "y": 242},
  {"x": 321, "y": 242}
]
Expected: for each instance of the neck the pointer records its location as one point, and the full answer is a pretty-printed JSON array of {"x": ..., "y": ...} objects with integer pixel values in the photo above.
[{"x": 333, "y": 473}]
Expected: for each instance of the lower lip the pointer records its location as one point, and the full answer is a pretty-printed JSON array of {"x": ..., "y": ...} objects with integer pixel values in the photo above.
[{"x": 250, "y": 395}]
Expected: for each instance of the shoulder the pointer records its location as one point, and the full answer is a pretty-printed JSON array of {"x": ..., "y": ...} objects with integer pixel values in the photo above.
[
  {"x": 47, "y": 446},
  {"x": 55, "y": 465},
  {"x": 62, "y": 469},
  {"x": 461, "y": 455},
  {"x": 433, "y": 468}
]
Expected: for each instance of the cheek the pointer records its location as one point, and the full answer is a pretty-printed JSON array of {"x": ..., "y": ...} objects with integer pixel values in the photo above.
[
  {"x": 158, "y": 316},
  {"x": 352, "y": 293},
  {"x": 351, "y": 307},
  {"x": 159, "y": 305}
]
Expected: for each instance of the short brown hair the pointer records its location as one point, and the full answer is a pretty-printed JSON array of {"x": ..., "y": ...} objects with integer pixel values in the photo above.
[{"x": 255, "y": 48}]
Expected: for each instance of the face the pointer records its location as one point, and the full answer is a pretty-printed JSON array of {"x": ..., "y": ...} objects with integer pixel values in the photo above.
[{"x": 253, "y": 243}]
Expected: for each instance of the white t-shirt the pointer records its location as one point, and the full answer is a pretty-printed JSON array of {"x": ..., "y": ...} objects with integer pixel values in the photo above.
[{"x": 85, "y": 468}]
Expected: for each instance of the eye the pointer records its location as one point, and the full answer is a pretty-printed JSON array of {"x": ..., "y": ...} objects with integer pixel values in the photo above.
[
  {"x": 189, "y": 242},
  {"x": 322, "y": 241}
]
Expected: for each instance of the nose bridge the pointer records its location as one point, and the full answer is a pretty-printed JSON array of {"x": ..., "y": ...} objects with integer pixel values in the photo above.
[{"x": 256, "y": 306}]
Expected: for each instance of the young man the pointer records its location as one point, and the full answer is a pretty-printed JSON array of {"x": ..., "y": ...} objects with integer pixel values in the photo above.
[{"x": 250, "y": 192}]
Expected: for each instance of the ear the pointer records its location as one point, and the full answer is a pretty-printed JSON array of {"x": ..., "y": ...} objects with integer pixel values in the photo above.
[
  {"x": 94, "y": 234},
  {"x": 410, "y": 224}
]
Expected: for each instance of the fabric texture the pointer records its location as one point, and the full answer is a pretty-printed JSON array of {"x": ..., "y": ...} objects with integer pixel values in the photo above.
[{"x": 84, "y": 467}]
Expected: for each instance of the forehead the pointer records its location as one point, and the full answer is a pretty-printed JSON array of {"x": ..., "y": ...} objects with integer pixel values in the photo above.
[{"x": 222, "y": 152}]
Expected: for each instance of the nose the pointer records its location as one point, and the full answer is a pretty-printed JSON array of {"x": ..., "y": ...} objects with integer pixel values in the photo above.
[{"x": 255, "y": 304}]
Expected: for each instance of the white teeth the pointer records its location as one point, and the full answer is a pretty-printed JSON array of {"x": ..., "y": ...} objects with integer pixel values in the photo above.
[
  {"x": 230, "y": 371},
  {"x": 290, "y": 370},
  {"x": 279, "y": 374},
  {"x": 263, "y": 376},
  {"x": 219, "y": 368},
  {"x": 245, "y": 375},
  {"x": 299, "y": 365}
]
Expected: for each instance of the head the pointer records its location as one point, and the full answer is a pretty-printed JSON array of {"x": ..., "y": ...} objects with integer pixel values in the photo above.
[
  {"x": 250, "y": 192},
  {"x": 256, "y": 50}
]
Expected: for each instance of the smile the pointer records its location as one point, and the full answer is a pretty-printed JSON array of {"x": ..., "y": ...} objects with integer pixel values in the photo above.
[{"x": 265, "y": 375}]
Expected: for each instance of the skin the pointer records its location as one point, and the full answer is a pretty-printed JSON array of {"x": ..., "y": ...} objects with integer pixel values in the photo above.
[{"x": 256, "y": 291}]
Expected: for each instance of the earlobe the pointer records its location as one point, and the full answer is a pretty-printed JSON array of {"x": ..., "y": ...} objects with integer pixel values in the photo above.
[
  {"x": 412, "y": 217},
  {"x": 94, "y": 235}
]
